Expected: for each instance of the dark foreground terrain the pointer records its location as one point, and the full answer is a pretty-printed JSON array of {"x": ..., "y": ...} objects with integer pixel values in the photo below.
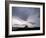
[{"x": 25, "y": 28}]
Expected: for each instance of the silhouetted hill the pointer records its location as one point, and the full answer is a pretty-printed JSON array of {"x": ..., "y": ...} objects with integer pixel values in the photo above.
[{"x": 25, "y": 28}]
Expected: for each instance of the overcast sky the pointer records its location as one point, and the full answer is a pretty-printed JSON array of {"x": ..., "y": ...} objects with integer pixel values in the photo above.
[{"x": 27, "y": 13}]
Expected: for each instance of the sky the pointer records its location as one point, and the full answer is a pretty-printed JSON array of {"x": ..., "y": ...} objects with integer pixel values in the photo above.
[{"x": 27, "y": 14}]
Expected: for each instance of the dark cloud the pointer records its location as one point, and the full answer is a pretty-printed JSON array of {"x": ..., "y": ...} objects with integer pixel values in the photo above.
[{"x": 25, "y": 12}]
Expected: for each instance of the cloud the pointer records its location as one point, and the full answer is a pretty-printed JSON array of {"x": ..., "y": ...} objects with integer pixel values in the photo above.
[{"x": 29, "y": 16}]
